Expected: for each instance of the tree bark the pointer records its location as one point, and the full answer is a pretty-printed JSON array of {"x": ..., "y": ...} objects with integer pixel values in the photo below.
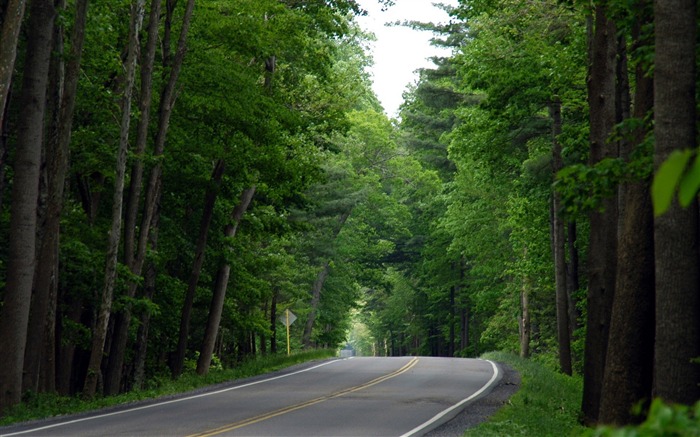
[
  {"x": 273, "y": 322},
  {"x": 9, "y": 34},
  {"x": 41, "y": 361},
  {"x": 100, "y": 332},
  {"x": 559, "y": 245},
  {"x": 25, "y": 190},
  {"x": 602, "y": 253},
  {"x": 629, "y": 365},
  {"x": 219, "y": 292},
  {"x": 676, "y": 376},
  {"x": 178, "y": 362}
]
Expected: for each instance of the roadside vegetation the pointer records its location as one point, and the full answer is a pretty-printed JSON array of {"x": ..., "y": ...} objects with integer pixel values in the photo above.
[
  {"x": 38, "y": 406},
  {"x": 546, "y": 404}
]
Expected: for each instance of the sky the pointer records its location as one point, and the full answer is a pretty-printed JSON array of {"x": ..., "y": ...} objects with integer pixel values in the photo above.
[{"x": 399, "y": 51}]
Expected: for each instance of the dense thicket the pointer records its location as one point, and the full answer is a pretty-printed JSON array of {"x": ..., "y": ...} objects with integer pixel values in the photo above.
[{"x": 172, "y": 183}]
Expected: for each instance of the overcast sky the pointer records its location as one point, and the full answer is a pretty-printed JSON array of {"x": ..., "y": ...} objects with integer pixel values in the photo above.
[{"x": 399, "y": 51}]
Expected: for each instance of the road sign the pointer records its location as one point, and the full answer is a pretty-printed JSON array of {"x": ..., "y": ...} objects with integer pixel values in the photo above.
[{"x": 287, "y": 318}]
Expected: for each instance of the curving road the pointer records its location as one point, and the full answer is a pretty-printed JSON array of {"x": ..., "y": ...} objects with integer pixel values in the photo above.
[{"x": 397, "y": 396}]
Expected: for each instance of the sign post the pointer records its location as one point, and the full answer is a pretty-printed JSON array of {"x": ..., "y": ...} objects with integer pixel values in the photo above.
[{"x": 287, "y": 319}]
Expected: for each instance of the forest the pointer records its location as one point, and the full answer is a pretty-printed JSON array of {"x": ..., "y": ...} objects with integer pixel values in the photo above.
[{"x": 177, "y": 174}]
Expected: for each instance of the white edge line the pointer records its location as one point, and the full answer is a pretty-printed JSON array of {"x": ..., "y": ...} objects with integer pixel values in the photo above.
[
  {"x": 158, "y": 404},
  {"x": 443, "y": 413}
]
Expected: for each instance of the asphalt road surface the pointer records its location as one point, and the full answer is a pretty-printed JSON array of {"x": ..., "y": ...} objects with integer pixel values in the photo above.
[{"x": 397, "y": 396}]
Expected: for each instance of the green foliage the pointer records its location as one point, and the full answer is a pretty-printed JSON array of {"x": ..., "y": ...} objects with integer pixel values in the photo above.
[
  {"x": 663, "y": 420},
  {"x": 675, "y": 174}
]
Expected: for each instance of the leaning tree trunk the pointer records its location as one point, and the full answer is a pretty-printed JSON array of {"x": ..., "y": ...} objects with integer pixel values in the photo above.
[
  {"x": 25, "y": 189},
  {"x": 100, "y": 332},
  {"x": 602, "y": 252},
  {"x": 676, "y": 373},
  {"x": 219, "y": 292},
  {"x": 207, "y": 214},
  {"x": 9, "y": 34},
  {"x": 559, "y": 246}
]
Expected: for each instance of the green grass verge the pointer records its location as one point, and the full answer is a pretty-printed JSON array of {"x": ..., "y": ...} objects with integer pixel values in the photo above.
[
  {"x": 547, "y": 403},
  {"x": 37, "y": 406}
]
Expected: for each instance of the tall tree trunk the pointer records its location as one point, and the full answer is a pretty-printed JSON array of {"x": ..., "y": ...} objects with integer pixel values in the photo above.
[
  {"x": 41, "y": 360},
  {"x": 273, "y": 322},
  {"x": 602, "y": 253},
  {"x": 628, "y": 369},
  {"x": 559, "y": 245},
  {"x": 178, "y": 361},
  {"x": 99, "y": 335},
  {"x": 572, "y": 278},
  {"x": 219, "y": 292},
  {"x": 25, "y": 189},
  {"x": 145, "y": 316},
  {"x": 676, "y": 375},
  {"x": 9, "y": 34},
  {"x": 152, "y": 193}
]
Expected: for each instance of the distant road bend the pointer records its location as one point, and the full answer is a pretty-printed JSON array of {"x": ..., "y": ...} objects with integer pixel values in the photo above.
[{"x": 367, "y": 396}]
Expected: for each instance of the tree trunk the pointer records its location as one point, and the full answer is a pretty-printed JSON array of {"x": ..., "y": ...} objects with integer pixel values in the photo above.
[
  {"x": 145, "y": 317},
  {"x": 629, "y": 365},
  {"x": 135, "y": 183},
  {"x": 676, "y": 375},
  {"x": 151, "y": 199},
  {"x": 559, "y": 245},
  {"x": 315, "y": 299},
  {"x": 219, "y": 292},
  {"x": 572, "y": 278},
  {"x": 318, "y": 286},
  {"x": 603, "y": 235},
  {"x": 207, "y": 214},
  {"x": 273, "y": 322},
  {"x": 9, "y": 34},
  {"x": 100, "y": 332},
  {"x": 41, "y": 361},
  {"x": 22, "y": 240}
]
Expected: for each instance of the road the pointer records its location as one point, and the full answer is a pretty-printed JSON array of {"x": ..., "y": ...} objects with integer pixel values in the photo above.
[{"x": 364, "y": 396}]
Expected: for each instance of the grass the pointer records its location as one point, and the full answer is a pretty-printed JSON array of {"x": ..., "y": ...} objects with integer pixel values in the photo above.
[
  {"x": 37, "y": 406},
  {"x": 547, "y": 403}
]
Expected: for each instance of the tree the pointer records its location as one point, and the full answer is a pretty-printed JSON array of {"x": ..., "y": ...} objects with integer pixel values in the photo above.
[
  {"x": 11, "y": 25},
  {"x": 40, "y": 360},
  {"x": 110, "y": 277},
  {"x": 677, "y": 336},
  {"x": 629, "y": 362},
  {"x": 602, "y": 251},
  {"x": 22, "y": 244}
]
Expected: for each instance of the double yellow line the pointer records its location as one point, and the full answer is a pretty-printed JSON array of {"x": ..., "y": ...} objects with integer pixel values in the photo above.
[{"x": 305, "y": 404}]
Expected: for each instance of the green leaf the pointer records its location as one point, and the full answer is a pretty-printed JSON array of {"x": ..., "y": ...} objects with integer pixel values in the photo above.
[
  {"x": 667, "y": 178},
  {"x": 689, "y": 184}
]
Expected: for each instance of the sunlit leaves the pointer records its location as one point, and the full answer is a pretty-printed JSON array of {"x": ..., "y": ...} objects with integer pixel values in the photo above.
[{"x": 677, "y": 174}]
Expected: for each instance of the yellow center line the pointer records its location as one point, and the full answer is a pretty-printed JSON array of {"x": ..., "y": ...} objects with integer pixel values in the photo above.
[{"x": 305, "y": 404}]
